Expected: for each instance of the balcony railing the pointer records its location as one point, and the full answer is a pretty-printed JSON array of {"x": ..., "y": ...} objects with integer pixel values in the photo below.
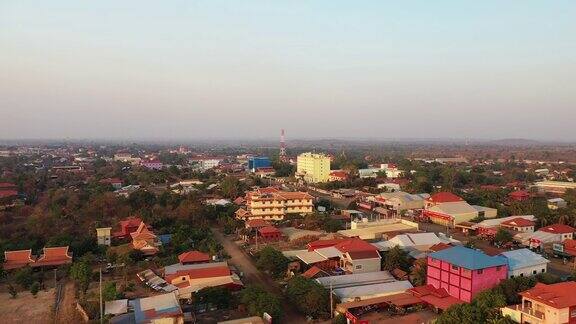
[{"x": 534, "y": 315}]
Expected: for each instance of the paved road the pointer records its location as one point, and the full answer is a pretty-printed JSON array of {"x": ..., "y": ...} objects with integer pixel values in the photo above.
[{"x": 253, "y": 276}]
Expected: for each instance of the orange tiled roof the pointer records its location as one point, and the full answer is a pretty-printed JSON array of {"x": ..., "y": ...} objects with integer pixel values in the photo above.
[
  {"x": 17, "y": 259},
  {"x": 559, "y": 295},
  {"x": 193, "y": 256},
  {"x": 355, "y": 245},
  {"x": 54, "y": 256},
  {"x": 310, "y": 273},
  {"x": 142, "y": 233},
  {"x": 145, "y": 247},
  {"x": 257, "y": 222}
]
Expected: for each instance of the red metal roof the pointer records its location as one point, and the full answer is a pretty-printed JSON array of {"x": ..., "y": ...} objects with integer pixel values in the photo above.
[
  {"x": 439, "y": 247},
  {"x": 339, "y": 174},
  {"x": 570, "y": 244},
  {"x": 347, "y": 245},
  {"x": 518, "y": 221},
  {"x": 444, "y": 197},
  {"x": 359, "y": 255},
  {"x": 310, "y": 273},
  {"x": 437, "y": 297},
  {"x": 559, "y": 295},
  {"x": 193, "y": 256},
  {"x": 318, "y": 244},
  {"x": 8, "y": 193},
  {"x": 131, "y": 222},
  {"x": 557, "y": 229},
  {"x": 128, "y": 226},
  {"x": 355, "y": 245},
  {"x": 200, "y": 273}
]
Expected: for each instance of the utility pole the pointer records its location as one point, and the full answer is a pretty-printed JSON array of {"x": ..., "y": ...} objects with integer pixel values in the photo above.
[
  {"x": 101, "y": 306},
  {"x": 331, "y": 301}
]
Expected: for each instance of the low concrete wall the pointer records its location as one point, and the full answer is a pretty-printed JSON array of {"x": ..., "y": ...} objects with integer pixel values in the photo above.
[{"x": 82, "y": 313}]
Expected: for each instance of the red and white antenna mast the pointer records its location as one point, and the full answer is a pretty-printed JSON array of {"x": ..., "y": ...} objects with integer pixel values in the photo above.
[{"x": 282, "y": 154}]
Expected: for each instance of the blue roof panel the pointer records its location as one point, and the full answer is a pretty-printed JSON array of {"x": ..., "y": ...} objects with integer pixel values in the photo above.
[{"x": 468, "y": 258}]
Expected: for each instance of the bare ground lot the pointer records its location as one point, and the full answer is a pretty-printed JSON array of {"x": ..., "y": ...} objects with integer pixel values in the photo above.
[{"x": 27, "y": 309}]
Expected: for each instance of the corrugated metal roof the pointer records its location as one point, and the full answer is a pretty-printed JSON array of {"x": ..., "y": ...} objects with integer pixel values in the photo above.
[
  {"x": 498, "y": 221},
  {"x": 380, "y": 289},
  {"x": 329, "y": 252},
  {"x": 356, "y": 279},
  {"x": 413, "y": 239},
  {"x": 468, "y": 258},
  {"x": 523, "y": 258},
  {"x": 310, "y": 257},
  {"x": 453, "y": 208}
]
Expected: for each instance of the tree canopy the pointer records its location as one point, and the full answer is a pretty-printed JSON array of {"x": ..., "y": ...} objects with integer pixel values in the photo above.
[{"x": 309, "y": 297}]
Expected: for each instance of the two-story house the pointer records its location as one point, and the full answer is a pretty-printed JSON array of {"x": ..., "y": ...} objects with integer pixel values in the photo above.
[{"x": 545, "y": 304}]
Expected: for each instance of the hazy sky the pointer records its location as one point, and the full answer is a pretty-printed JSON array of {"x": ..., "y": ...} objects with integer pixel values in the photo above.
[{"x": 213, "y": 69}]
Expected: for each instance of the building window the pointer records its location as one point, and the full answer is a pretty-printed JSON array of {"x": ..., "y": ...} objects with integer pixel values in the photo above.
[
  {"x": 454, "y": 267},
  {"x": 358, "y": 267},
  {"x": 534, "y": 272},
  {"x": 480, "y": 271},
  {"x": 543, "y": 270},
  {"x": 511, "y": 276},
  {"x": 498, "y": 268}
]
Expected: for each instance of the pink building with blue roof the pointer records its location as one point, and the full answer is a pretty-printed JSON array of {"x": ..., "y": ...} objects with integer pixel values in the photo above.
[{"x": 465, "y": 272}]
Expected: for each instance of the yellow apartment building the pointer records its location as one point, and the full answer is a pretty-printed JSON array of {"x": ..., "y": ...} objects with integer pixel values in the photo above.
[{"x": 313, "y": 167}]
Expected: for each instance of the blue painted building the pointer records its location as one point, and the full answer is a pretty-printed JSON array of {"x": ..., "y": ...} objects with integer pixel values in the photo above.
[{"x": 258, "y": 162}]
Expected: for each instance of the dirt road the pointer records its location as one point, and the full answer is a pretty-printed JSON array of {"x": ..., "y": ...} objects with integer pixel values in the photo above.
[
  {"x": 253, "y": 276},
  {"x": 66, "y": 312}
]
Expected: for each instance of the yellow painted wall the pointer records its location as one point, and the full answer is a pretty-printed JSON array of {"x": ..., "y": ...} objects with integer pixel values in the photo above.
[{"x": 315, "y": 167}]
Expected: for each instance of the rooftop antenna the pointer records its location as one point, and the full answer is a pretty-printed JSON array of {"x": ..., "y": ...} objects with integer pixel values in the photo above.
[{"x": 282, "y": 154}]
